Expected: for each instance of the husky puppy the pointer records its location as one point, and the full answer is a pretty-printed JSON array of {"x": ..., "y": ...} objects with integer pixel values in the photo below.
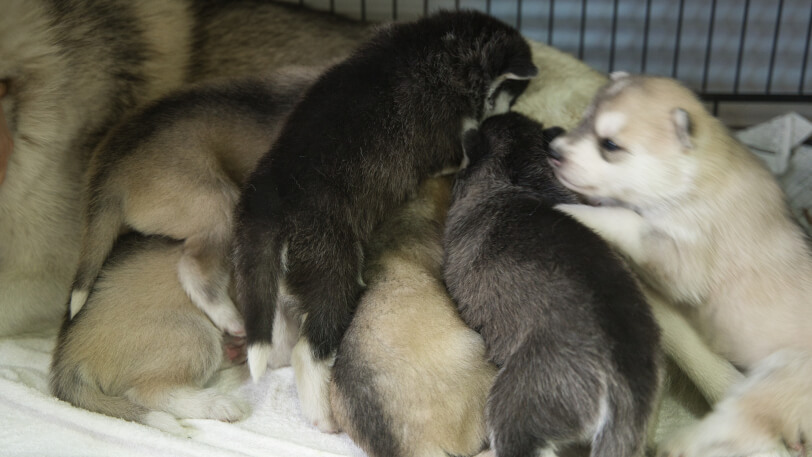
[
  {"x": 576, "y": 344},
  {"x": 175, "y": 169},
  {"x": 355, "y": 147},
  {"x": 410, "y": 378},
  {"x": 705, "y": 223},
  {"x": 140, "y": 349},
  {"x": 72, "y": 69}
]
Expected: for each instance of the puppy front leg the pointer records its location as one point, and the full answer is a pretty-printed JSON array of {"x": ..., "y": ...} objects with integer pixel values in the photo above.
[
  {"x": 712, "y": 374},
  {"x": 621, "y": 227}
]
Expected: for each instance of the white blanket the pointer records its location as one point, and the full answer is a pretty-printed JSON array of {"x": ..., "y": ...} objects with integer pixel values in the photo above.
[{"x": 34, "y": 423}]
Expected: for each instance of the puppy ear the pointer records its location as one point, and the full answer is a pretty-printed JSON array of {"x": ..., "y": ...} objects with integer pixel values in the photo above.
[
  {"x": 520, "y": 69},
  {"x": 551, "y": 133},
  {"x": 616, "y": 75},
  {"x": 474, "y": 145},
  {"x": 683, "y": 127}
]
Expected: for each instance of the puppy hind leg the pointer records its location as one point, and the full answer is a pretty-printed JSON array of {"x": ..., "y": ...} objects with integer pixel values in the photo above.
[
  {"x": 189, "y": 402},
  {"x": 323, "y": 273},
  {"x": 258, "y": 268},
  {"x": 285, "y": 334},
  {"x": 543, "y": 398},
  {"x": 103, "y": 223},
  {"x": 204, "y": 275},
  {"x": 766, "y": 413},
  {"x": 313, "y": 385},
  {"x": 514, "y": 417}
]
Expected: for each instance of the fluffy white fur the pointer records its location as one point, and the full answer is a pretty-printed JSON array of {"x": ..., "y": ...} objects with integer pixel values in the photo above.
[{"x": 313, "y": 385}]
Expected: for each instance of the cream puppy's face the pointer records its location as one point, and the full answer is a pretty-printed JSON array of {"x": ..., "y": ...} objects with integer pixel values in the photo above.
[{"x": 633, "y": 146}]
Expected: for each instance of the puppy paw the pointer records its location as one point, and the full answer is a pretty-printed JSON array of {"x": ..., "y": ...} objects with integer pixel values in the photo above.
[
  {"x": 227, "y": 409},
  {"x": 226, "y": 318},
  {"x": 207, "y": 403},
  {"x": 166, "y": 422},
  {"x": 708, "y": 440},
  {"x": 315, "y": 403}
]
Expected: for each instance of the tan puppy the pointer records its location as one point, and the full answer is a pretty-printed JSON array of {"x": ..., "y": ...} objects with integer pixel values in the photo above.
[
  {"x": 175, "y": 169},
  {"x": 706, "y": 224},
  {"x": 140, "y": 350},
  {"x": 410, "y": 378}
]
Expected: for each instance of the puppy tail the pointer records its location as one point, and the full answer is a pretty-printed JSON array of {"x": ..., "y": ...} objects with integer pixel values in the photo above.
[
  {"x": 258, "y": 266},
  {"x": 103, "y": 222},
  {"x": 70, "y": 385},
  {"x": 620, "y": 435}
]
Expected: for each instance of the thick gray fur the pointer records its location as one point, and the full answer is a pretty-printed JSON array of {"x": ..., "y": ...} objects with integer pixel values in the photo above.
[{"x": 560, "y": 313}]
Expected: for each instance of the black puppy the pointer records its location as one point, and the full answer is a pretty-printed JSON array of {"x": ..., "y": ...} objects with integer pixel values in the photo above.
[
  {"x": 560, "y": 313},
  {"x": 355, "y": 148}
]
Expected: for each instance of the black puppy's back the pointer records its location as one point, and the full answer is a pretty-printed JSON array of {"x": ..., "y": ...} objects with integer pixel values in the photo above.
[{"x": 558, "y": 309}]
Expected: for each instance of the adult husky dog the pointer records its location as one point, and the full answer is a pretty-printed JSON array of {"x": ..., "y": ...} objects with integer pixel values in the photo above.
[
  {"x": 706, "y": 224},
  {"x": 71, "y": 69}
]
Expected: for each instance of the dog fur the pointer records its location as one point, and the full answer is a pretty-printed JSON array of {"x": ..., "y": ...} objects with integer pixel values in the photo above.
[
  {"x": 356, "y": 147},
  {"x": 140, "y": 350},
  {"x": 175, "y": 169},
  {"x": 559, "y": 95},
  {"x": 410, "y": 378},
  {"x": 561, "y": 315},
  {"x": 706, "y": 225},
  {"x": 73, "y": 68}
]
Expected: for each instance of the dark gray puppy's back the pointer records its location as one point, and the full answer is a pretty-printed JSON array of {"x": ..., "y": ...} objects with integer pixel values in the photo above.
[{"x": 558, "y": 309}]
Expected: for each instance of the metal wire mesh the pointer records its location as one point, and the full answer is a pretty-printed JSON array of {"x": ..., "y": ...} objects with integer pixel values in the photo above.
[{"x": 726, "y": 50}]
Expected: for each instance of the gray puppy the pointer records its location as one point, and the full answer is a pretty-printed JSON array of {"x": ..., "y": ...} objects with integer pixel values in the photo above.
[
  {"x": 175, "y": 169},
  {"x": 560, "y": 313}
]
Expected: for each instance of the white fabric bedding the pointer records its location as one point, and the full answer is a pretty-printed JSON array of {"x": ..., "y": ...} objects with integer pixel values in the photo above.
[{"x": 34, "y": 423}]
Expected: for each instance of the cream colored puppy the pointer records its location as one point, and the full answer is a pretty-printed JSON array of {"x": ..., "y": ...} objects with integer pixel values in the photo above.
[
  {"x": 174, "y": 168},
  {"x": 706, "y": 225},
  {"x": 410, "y": 378},
  {"x": 141, "y": 350}
]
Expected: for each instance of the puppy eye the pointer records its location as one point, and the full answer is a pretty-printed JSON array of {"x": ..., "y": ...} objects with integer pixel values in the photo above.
[{"x": 609, "y": 145}]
